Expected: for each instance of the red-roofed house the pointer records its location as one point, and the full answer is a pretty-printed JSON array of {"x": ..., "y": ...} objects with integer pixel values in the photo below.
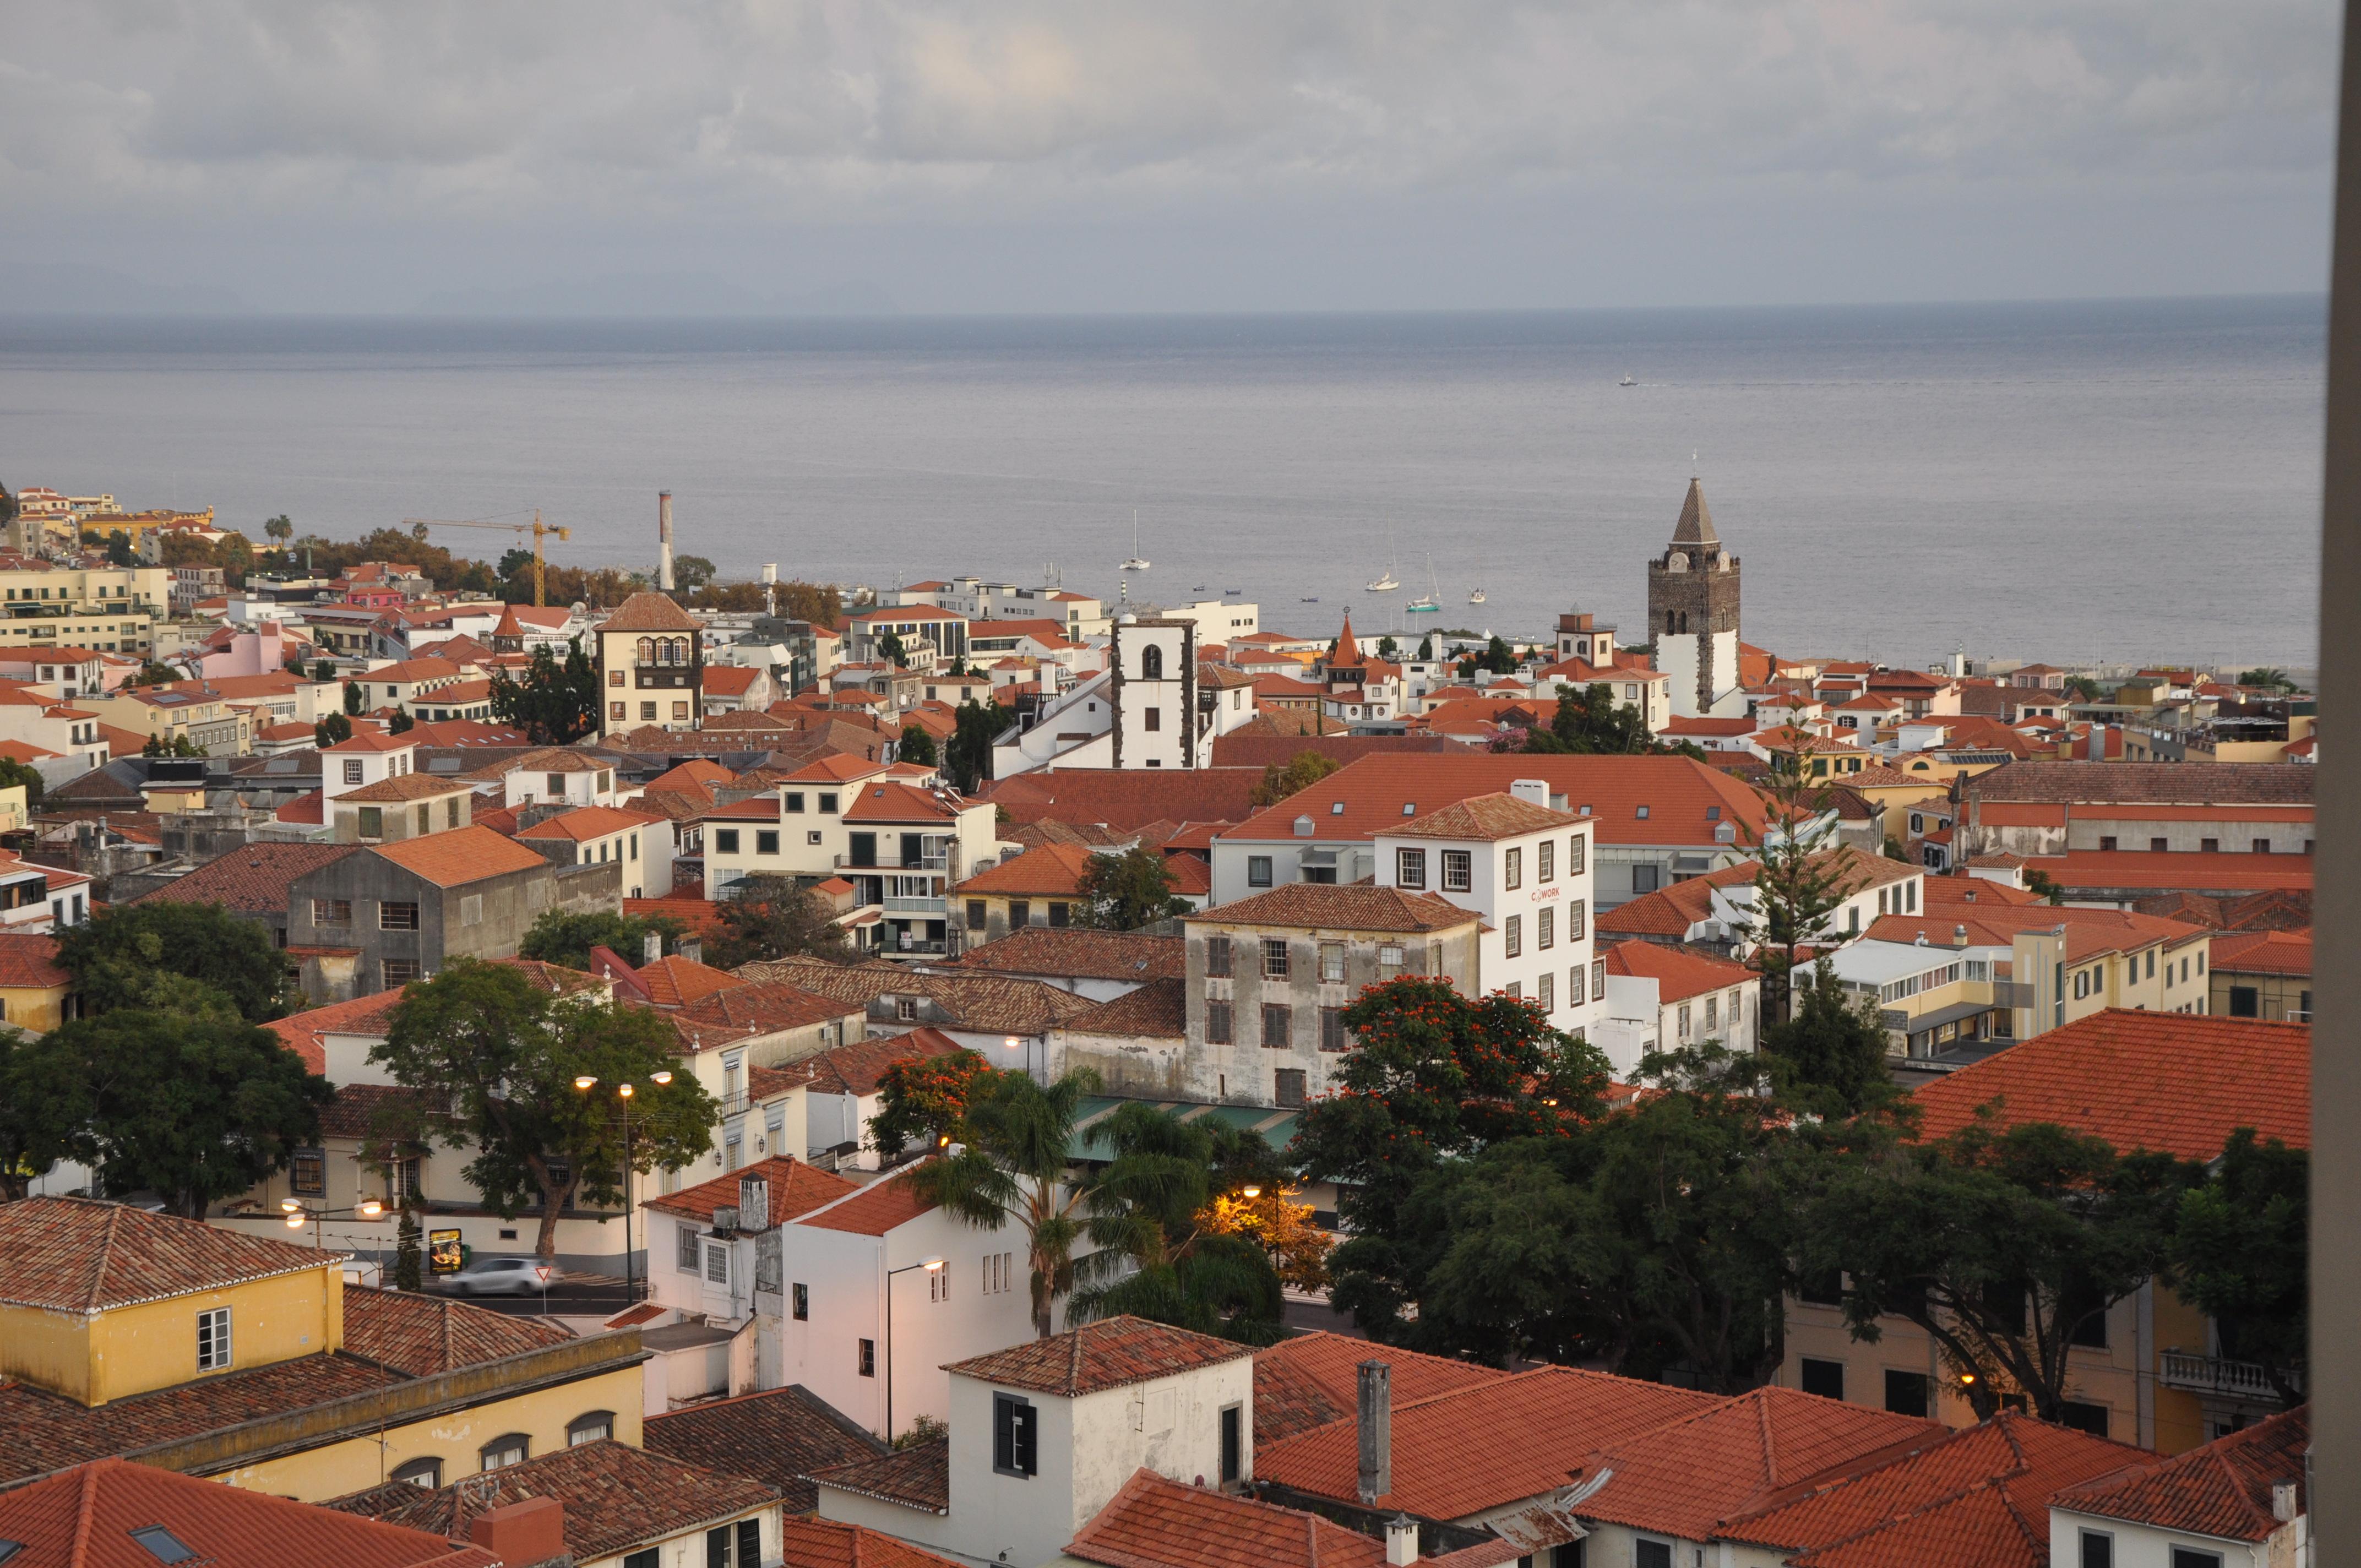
[
  {"x": 641, "y": 842},
  {"x": 1661, "y": 997},
  {"x": 2262, "y": 974},
  {"x": 2243, "y": 1498}
]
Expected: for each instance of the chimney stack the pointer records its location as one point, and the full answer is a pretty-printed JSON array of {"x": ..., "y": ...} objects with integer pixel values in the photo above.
[
  {"x": 531, "y": 1530},
  {"x": 1377, "y": 1430},
  {"x": 1401, "y": 1542},
  {"x": 663, "y": 540}
]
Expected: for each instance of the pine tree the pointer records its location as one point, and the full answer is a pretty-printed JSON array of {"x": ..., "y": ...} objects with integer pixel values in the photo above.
[{"x": 1796, "y": 886}]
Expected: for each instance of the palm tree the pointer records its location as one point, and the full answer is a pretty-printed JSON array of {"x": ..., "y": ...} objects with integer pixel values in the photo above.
[{"x": 1011, "y": 1166}]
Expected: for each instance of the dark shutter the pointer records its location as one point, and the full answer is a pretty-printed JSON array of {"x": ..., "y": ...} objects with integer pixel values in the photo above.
[
  {"x": 716, "y": 1548},
  {"x": 1004, "y": 1433},
  {"x": 750, "y": 1543},
  {"x": 1233, "y": 1445},
  {"x": 1028, "y": 1444}
]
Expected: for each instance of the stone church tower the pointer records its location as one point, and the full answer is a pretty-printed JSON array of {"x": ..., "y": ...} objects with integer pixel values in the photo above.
[{"x": 1693, "y": 617}]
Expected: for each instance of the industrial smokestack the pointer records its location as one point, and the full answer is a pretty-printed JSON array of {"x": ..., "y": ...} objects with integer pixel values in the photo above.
[
  {"x": 1377, "y": 1429},
  {"x": 663, "y": 540}
]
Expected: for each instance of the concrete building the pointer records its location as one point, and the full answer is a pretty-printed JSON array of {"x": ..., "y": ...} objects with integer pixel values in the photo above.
[
  {"x": 1693, "y": 616},
  {"x": 651, "y": 666},
  {"x": 639, "y": 842},
  {"x": 407, "y": 806},
  {"x": 2242, "y": 1499},
  {"x": 2262, "y": 974}
]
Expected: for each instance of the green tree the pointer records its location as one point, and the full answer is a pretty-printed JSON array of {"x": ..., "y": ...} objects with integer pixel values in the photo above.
[
  {"x": 409, "y": 1257},
  {"x": 516, "y": 566},
  {"x": 45, "y": 1104},
  {"x": 1592, "y": 721},
  {"x": 2240, "y": 1254},
  {"x": 1388, "y": 649},
  {"x": 118, "y": 551},
  {"x": 121, "y": 954},
  {"x": 1426, "y": 648},
  {"x": 558, "y": 937},
  {"x": 924, "y": 1100},
  {"x": 1012, "y": 1170},
  {"x": 1498, "y": 658},
  {"x": 556, "y": 702},
  {"x": 2268, "y": 676},
  {"x": 1156, "y": 1252},
  {"x": 13, "y": 772},
  {"x": 1829, "y": 1059},
  {"x": 2082, "y": 688},
  {"x": 401, "y": 723},
  {"x": 890, "y": 645},
  {"x": 967, "y": 756},
  {"x": 691, "y": 573},
  {"x": 279, "y": 528},
  {"x": 357, "y": 698},
  {"x": 1125, "y": 892},
  {"x": 2002, "y": 1245},
  {"x": 324, "y": 670},
  {"x": 1796, "y": 886},
  {"x": 504, "y": 1056},
  {"x": 1893, "y": 849},
  {"x": 771, "y": 917},
  {"x": 192, "y": 1109},
  {"x": 333, "y": 731},
  {"x": 918, "y": 746},
  {"x": 1434, "y": 1076},
  {"x": 1303, "y": 771},
  {"x": 2039, "y": 881}
]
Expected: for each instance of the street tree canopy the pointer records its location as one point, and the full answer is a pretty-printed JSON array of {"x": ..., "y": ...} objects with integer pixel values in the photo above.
[
  {"x": 1125, "y": 892},
  {"x": 771, "y": 917},
  {"x": 131, "y": 955},
  {"x": 560, "y": 938}
]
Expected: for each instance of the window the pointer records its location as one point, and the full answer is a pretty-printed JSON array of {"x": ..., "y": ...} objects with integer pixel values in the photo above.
[
  {"x": 372, "y": 822},
  {"x": 502, "y": 1451},
  {"x": 1409, "y": 868},
  {"x": 1685, "y": 1021},
  {"x": 1712, "y": 1013},
  {"x": 717, "y": 1263},
  {"x": 795, "y": 801},
  {"x": 939, "y": 1285},
  {"x": 1645, "y": 877},
  {"x": 2190, "y": 1557},
  {"x": 1058, "y": 914},
  {"x": 1906, "y": 1393},
  {"x": 646, "y": 1557},
  {"x": 397, "y": 915},
  {"x": 1232, "y": 1443},
  {"x": 1152, "y": 718},
  {"x": 1512, "y": 868},
  {"x": 1389, "y": 959},
  {"x": 471, "y": 909},
  {"x": 1278, "y": 1025},
  {"x": 213, "y": 1339},
  {"x": 977, "y": 914},
  {"x": 1825, "y": 1378},
  {"x": 1458, "y": 870},
  {"x": 1257, "y": 870},
  {"x": 1021, "y": 913},
  {"x": 1574, "y": 986},
  {"x": 1016, "y": 1436},
  {"x": 725, "y": 840},
  {"x": 1512, "y": 932},
  {"x": 1545, "y": 929},
  {"x": 307, "y": 1174},
  {"x": 766, "y": 840},
  {"x": 1544, "y": 855},
  {"x": 1574, "y": 855},
  {"x": 1217, "y": 1023},
  {"x": 1652, "y": 1554},
  {"x": 1643, "y": 812},
  {"x": 1287, "y": 1086},
  {"x": 1274, "y": 958},
  {"x": 397, "y": 971},
  {"x": 2210, "y": 846},
  {"x": 1151, "y": 665},
  {"x": 648, "y": 712},
  {"x": 161, "y": 1543},
  {"x": 2097, "y": 1550},
  {"x": 906, "y": 1009},
  {"x": 1544, "y": 992},
  {"x": 332, "y": 912},
  {"x": 1217, "y": 957},
  {"x": 2082, "y": 1416},
  {"x": 2156, "y": 846},
  {"x": 1598, "y": 979},
  {"x": 591, "y": 1426},
  {"x": 2106, "y": 843},
  {"x": 868, "y": 1359},
  {"x": 1332, "y": 1030},
  {"x": 1332, "y": 962},
  {"x": 353, "y": 771},
  {"x": 426, "y": 1473},
  {"x": 450, "y": 812},
  {"x": 827, "y": 802},
  {"x": 801, "y": 1300}
]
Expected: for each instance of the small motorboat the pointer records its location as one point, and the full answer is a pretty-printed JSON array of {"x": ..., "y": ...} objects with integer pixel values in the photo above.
[
  {"x": 1314, "y": 599},
  {"x": 1476, "y": 595}
]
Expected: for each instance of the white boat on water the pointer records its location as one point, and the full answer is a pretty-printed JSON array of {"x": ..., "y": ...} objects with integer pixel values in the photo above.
[
  {"x": 1387, "y": 582},
  {"x": 1626, "y": 380},
  {"x": 1476, "y": 595},
  {"x": 1430, "y": 601},
  {"x": 1136, "y": 563}
]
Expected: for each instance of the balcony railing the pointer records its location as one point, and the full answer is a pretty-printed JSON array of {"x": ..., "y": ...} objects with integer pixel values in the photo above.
[
  {"x": 900, "y": 906},
  {"x": 2213, "y": 1374},
  {"x": 883, "y": 863}
]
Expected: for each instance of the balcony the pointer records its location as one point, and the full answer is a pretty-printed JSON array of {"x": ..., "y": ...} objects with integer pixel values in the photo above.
[
  {"x": 891, "y": 863},
  {"x": 2213, "y": 1374},
  {"x": 933, "y": 909}
]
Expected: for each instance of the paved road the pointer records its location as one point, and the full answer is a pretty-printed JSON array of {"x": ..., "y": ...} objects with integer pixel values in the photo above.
[{"x": 569, "y": 1294}]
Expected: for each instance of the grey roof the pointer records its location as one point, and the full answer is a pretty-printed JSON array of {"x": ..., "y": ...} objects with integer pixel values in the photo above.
[{"x": 1695, "y": 526}]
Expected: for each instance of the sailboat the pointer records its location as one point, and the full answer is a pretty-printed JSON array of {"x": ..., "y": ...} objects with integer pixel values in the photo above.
[
  {"x": 1387, "y": 582},
  {"x": 1626, "y": 380},
  {"x": 1430, "y": 601},
  {"x": 1136, "y": 564},
  {"x": 1476, "y": 595}
]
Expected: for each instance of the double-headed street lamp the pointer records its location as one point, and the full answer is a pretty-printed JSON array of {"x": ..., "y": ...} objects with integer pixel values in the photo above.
[
  {"x": 297, "y": 1212},
  {"x": 623, "y": 1093}
]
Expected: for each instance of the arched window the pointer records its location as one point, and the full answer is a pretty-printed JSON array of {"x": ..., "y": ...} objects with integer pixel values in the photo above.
[
  {"x": 426, "y": 1473},
  {"x": 678, "y": 653},
  {"x": 1151, "y": 662},
  {"x": 647, "y": 650},
  {"x": 591, "y": 1426},
  {"x": 504, "y": 1452}
]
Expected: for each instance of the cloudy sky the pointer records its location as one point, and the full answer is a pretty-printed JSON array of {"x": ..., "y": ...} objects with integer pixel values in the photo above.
[{"x": 1051, "y": 155}]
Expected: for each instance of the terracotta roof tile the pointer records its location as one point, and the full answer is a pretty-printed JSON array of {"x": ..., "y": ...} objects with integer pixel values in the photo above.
[
  {"x": 1339, "y": 908},
  {"x": 1158, "y": 1010},
  {"x": 248, "y": 881},
  {"x": 75, "y": 1255},
  {"x": 1110, "y": 1354},
  {"x": 1486, "y": 818},
  {"x": 303, "y": 1031},
  {"x": 1050, "y": 868},
  {"x": 405, "y": 787},
  {"x": 1156, "y": 1522},
  {"x": 460, "y": 856},
  {"x": 28, "y": 961},
  {"x": 419, "y": 1336},
  {"x": 2167, "y": 870},
  {"x": 797, "y": 1190},
  {"x": 1314, "y": 1379},
  {"x": 2263, "y": 952},
  {"x": 353, "y": 1112},
  {"x": 616, "y": 1498},
  {"x": 999, "y": 1005},
  {"x": 1679, "y": 972},
  {"x": 918, "y": 1478},
  {"x": 2188, "y": 784},
  {"x": 858, "y": 1066},
  {"x": 778, "y": 1438},
  {"x": 824, "y": 1543},
  {"x": 2222, "y": 1489},
  {"x": 84, "y": 1517},
  {"x": 1074, "y": 953},
  {"x": 1678, "y": 791},
  {"x": 677, "y": 981},
  {"x": 588, "y": 822},
  {"x": 751, "y": 1008},
  {"x": 1127, "y": 797},
  {"x": 649, "y": 613},
  {"x": 2172, "y": 1082}
]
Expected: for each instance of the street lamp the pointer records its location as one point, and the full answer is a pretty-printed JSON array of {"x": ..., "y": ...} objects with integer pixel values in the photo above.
[
  {"x": 297, "y": 1212},
  {"x": 932, "y": 1265},
  {"x": 623, "y": 1093}
]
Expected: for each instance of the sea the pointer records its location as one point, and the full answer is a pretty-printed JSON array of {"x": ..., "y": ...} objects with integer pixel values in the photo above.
[{"x": 2113, "y": 481}]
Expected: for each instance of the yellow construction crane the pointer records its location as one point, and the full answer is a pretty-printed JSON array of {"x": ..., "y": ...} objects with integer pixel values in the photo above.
[{"x": 536, "y": 527}]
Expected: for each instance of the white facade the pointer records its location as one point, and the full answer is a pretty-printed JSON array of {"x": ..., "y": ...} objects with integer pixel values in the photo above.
[
  {"x": 1637, "y": 1018},
  {"x": 569, "y": 785},
  {"x": 1676, "y": 657},
  {"x": 1147, "y": 710},
  {"x": 2137, "y": 1545},
  {"x": 342, "y": 770}
]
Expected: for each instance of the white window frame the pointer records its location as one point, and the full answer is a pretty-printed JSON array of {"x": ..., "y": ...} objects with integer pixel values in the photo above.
[{"x": 216, "y": 1349}]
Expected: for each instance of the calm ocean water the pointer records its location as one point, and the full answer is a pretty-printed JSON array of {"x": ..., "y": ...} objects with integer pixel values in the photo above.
[{"x": 2126, "y": 480}]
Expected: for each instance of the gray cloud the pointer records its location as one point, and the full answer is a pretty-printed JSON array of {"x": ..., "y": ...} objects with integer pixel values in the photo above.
[{"x": 336, "y": 129}]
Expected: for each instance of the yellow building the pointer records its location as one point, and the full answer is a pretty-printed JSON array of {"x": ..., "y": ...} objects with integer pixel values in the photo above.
[
  {"x": 250, "y": 1359},
  {"x": 179, "y": 711},
  {"x": 36, "y": 995},
  {"x": 1888, "y": 788},
  {"x": 109, "y": 608},
  {"x": 132, "y": 524}
]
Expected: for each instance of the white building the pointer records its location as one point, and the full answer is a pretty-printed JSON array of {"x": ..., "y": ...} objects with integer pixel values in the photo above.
[
  {"x": 369, "y": 757},
  {"x": 1663, "y": 998},
  {"x": 556, "y": 775},
  {"x": 595, "y": 835},
  {"x": 1154, "y": 706},
  {"x": 1524, "y": 868},
  {"x": 2238, "y": 1502}
]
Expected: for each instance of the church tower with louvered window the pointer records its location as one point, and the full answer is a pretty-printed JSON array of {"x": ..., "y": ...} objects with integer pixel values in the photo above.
[{"x": 1693, "y": 616}]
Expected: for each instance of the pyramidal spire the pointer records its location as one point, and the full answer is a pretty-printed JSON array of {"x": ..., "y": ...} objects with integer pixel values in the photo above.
[
  {"x": 1346, "y": 649},
  {"x": 1695, "y": 526}
]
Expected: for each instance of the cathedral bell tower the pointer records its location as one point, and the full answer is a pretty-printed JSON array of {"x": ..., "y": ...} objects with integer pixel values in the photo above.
[{"x": 1693, "y": 616}]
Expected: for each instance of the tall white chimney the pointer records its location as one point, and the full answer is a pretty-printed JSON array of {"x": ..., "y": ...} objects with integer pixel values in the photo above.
[{"x": 663, "y": 540}]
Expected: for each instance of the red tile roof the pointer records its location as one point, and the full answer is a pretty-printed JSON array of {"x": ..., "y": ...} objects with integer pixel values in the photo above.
[
  {"x": 797, "y": 1190},
  {"x": 2173, "y": 1082},
  {"x": 302, "y": 1031},
  {"x": 76, "y": 1254},
  {"x": 1678, "y": 792},
  {"x": 1072, "y": 953},
  {"x": 824, "y": 1543},
  {"x": 460, "y": 856},
  {"x": 649, "y": 613},
  {"x": 1448, "y": 1459},
  {"x": 2170, "y": 870},
  {"x": 859, "y": 1065},
  {"x": 1679, "y": 972},
  {"x": 676, "y": 981},
  {"x": 1113, "y": 1352},
  {"x": 916, "y": 1478},
  {"x": 2222, "y": 1489},
  {"x": 1127, "y": 797},
  {"x": 754, "y": 1007},
  {"x": 2263, "y": 952},
  {"x": 405, "y": 787},
  {"x": 1158, "y": 1010},
  {"x": 874, "y": 1210},
  {"x": 779, "y": 1437},
  {"x": 1313, "y": 1379},
  {"x": 1156, "y": 1522},
  {"x": 421, "y": 1336},
  {"x": 1047, "y": 868},
  {"x": 892, "y": 802},
  {"x": 84, "y": 1517},
  {"x": 2089, "y": 932},
  {"x": 28, "y": 961},
  {"x": 1486, "y": 818},
  {"x": 1340, "y": 907}
]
